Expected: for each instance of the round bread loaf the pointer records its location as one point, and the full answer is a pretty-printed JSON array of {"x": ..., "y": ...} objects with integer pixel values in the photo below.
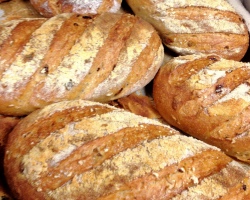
[
  {"x": 88, "y": 150},
  {"x": 193, "y": 27},
  {"x": 207, "y": 97},
  {"x": 71, "y": 56},
  {"x": 50, "y": 8}
]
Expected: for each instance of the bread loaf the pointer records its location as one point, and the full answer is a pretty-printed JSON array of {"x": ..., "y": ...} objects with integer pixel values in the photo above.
[
  {"x": 193, "y": 27},
  {"x": 70, "y": 56},
  {"x": 15, "y": 9},
  {"x": 50, "y": 8},
  {"x": 207, "y": 97},
  {"x": 88, "y": 150}
]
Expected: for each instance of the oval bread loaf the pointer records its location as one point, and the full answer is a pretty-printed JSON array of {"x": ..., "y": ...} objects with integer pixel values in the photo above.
[
  {"x": 193, "y": 27},
  {"x": 50, "y": 8},
  {"x": 88, "y": 150},
  {"x": 207, "y": 97},
  {"x": 71, "y": 56}
]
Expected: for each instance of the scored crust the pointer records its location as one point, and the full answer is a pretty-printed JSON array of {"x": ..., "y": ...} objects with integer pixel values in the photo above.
[
  {"x": 194, "y": 27},
  {"x": 87, "y": 150},
  {"x": 207, "y": 97},
  {"x": 70, "y": 56}
]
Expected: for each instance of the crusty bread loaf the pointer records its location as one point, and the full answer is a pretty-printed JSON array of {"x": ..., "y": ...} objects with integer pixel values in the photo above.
[
  {"x": 88, "y": 150},
  {"x": 70, "y": 56},
  {"x": 17, "y": 9},
  {"x": 207, "y": 97},
  {"x": 50, "y": 8},
  {"x": 193, "y": 27}
]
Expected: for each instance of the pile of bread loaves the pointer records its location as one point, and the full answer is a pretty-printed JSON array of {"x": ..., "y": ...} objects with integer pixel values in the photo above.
[{"x": 132, "y": 99}]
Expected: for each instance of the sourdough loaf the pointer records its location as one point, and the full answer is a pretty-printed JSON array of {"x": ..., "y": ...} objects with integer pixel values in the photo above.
[
  {"x": 50, "y": 8},
  {"x": 71, "y": 56},
  {"x": 88, "y": 150},
  {"x": 193, "y": 27},
  {"x": 207, "y": 97}
]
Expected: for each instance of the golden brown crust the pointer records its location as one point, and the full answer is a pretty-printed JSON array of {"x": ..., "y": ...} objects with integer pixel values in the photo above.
[
  {"x": 15, "y": 9},
  {"x": 207, "y": 97},
  {"x": 50, "y": 8},
  {"x": 6, "y": 125},
  {"x": 139, "y": 104},
  {"x": 175, "y": 178},
  {"x": 70, "y": 56},
  {"x": 194, "y": 27},
  {"x": 238, "y": 192},
  {"x": 111, "y": 154}
]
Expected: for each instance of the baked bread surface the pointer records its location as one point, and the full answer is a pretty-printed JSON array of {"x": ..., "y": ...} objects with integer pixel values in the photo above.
[
  {"x": 88, "y": 150},
  {"x": 15, "y": 9},
  {"x": 50, "y": 8},
  {"x": 194, "y": 27},
  {"x": 6, "y": 126},
  {"x": 71, "y": 56},
  {"x": 207, "y": 97}
]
